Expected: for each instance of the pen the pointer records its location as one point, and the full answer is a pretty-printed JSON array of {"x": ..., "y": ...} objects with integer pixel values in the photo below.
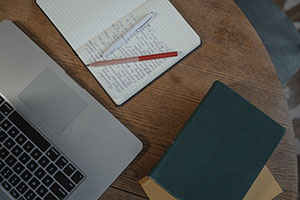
[
  {"x": 129, "y": 33},
  {"x": 134, "y": 59}
]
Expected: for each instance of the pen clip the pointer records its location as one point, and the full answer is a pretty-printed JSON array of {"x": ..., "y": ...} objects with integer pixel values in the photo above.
[
  {"x": 148, "y": 20},
  {"x": 141, "y": 23}
]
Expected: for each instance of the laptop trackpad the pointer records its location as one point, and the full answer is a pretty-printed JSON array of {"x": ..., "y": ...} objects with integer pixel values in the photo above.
[{"x": 53, "y": 101}]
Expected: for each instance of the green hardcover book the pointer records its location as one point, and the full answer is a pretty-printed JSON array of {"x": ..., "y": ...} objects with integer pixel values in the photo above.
[{"x": 220, "y": 151}]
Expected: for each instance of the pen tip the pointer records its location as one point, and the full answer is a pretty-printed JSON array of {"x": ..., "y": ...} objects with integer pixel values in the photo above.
[{"x": 180, "y": 53}]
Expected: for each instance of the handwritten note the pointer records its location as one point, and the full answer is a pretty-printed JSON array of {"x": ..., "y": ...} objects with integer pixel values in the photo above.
[
  {"x": 91, "y": 26},
  {"x": 122, "y": 80}
]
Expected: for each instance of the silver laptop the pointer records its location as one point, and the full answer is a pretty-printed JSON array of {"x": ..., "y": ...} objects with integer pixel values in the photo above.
[{"x": 56, "y": 140}]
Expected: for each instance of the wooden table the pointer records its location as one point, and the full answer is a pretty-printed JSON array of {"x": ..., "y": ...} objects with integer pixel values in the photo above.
[{"x": 231, "y": 52}]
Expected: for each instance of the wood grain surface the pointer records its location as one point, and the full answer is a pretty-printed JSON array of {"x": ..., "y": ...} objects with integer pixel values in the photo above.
[{"x": 231, "y": 52}]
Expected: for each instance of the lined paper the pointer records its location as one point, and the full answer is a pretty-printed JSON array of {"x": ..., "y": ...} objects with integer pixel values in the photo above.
[
  {"x": 168, "y": 31},
  {"x": 123, "y": 80},
  {"x": 80, "y": 20}
]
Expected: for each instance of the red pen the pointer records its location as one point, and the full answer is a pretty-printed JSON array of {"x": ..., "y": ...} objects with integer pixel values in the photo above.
[{"x": 134, "y": 59}]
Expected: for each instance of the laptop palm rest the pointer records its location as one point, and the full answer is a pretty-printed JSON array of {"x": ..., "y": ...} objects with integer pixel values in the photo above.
[
  {"x": 3, "y": 196},
  {"x": 53, "y": 101}
]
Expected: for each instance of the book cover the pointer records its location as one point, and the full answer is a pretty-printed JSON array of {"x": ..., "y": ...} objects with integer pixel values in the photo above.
[{"x": 221, "y": 150}]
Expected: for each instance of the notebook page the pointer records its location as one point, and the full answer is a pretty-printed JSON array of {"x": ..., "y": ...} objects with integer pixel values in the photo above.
[
  {"x": 168, "y": 31},
  {"x": 80, "y": 20}
]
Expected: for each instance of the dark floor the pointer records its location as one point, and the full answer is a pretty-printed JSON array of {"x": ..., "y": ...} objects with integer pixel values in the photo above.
[
  {"x": 292, "y": 10},
  {"x": 292, "y": 87},
  {"x": 292, "y": 93}
]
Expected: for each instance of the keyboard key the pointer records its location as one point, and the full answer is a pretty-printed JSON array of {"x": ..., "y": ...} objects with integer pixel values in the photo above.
[
  {"x": 51, "y": 169},
  {"x": 14, "y": 193},
  {"x": 28, "y": 146},
  {"x": 34, "y": 183},
  {"x": 42, "y": 191},
  {"x": 18, "y": 168},
  {"x": 13, "y": 132},
  {"x": 3, "y": 136},
  {"x": 22, "y": 187},
  {"x": 14, "y": 180},
  {"x": 26, "y": 175},
  {"x": 29, "y": 131},
  {"x": 77, "y": 177},
  {"x": 64, "y": 181},
  {"x": 58, "y": 191},
  {"x": 6, "y": 125},
  {"x": 32, "y": 165},
  {"x": 6, "y": 172},
  {"x": 10, "y": 160},
  {"x": 6, "y": 109},
  {"x": 61, "y": 162},
  {"x": 47, "y": 181},
  {"x": 24, "y": 158},
  {"x": 17, "y": 151},
  {"x": 44, "y": 161},
  {"x": 29, "y": 195},
  {"x": 9, "y": 143},
  {"x": 3, "y": 153},
  {"x": 36, "y": 154},
  {"x": 69, "y": 170},
  {"x": 2, "y": 164},
  {"x": 40, "y": 173},
  {"x": 21, "y": 139},
  {"x": 50, "y": 197},
  {"x": 1, "y": 117},
  {"x": 6, "y": 185},
  {"x": 53, "y": 154}
]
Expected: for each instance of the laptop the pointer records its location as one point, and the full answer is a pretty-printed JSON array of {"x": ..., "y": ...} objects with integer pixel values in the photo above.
[{"x": 56, "y": 141}]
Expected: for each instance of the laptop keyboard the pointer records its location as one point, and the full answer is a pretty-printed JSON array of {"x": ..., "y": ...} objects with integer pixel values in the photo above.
[{"x": 31, "y": 167}]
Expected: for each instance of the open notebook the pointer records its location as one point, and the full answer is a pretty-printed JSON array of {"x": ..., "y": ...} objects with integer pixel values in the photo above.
[{"x": 91, "y": 26}]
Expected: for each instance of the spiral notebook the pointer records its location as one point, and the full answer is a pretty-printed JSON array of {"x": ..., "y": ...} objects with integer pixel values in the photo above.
[{"x": 90, "y": 26}]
